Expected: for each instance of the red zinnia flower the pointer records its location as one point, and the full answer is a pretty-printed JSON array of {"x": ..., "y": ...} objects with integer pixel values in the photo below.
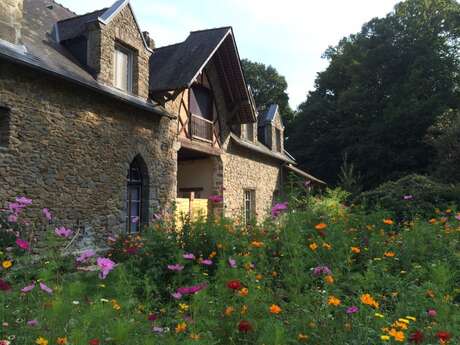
[
  {"x": 94, "y": 341},
  {"x": 444, "y": 336},
  {"x": 152, "y": 317},
  {"x": 416, "y": 337},
  {"x": 244, "y": 326},
  {"x": 4, "y": 286},
  {"x": 234, "y": 284}
]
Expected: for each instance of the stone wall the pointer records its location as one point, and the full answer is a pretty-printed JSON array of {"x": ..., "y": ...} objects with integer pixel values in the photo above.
[
  {"x": 11, "y": 20},
  {"x": 70, "y": 150},
  {"x": 244, "y": 169}
]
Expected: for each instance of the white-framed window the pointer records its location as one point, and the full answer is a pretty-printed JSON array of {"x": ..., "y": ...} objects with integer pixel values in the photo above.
[
  {"x": 123, "y": 68},
  {"x": 249, "y": 205}
]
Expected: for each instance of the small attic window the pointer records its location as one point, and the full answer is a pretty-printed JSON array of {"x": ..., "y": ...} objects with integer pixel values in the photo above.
[
  {"x": 123, "y": 68},
  {"x": 201, "y": 102}
]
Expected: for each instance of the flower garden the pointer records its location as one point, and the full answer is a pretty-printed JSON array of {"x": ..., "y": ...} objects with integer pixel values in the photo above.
[{"x": 316, "y": 273}]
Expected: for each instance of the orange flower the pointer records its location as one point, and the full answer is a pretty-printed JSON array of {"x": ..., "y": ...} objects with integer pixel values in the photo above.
[
  {"x": 259, "y": 276},
  {"x": 313, "y": 246},
  {"x": 332, "y": 300},
  {"x": 398, "y": 335},
  {"x": 243, "y": 292},
  {"x": 329, "y": 279},
  {"x": 194, "y": 336},
  {"x": 302, "y": 337},
  {"x": 213, "y": 254},
  {"x": 229, "y": 311},
  {"x": 355, "y": 250},
  {"x": 389, "y": 254},
  {"x": 61, "y": 341},
  {"x": 181, "y": 327},
  {"x": 257, "y": 244},
  {"x": 367, "y": 299},
  {"x": 432, "y": 221},
  {"x": 320, "y": 226},
  {"x": 275, "y": 309},
  {"x": 388, "y": 221}
]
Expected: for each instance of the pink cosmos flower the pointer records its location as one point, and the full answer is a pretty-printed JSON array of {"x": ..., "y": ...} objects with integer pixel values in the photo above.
[
  {"x": 232, "y": 262},
  {"x": 431, "y": 312},
  {"x": 408, "y": 197},
  {"x": 176, "y": 267},
  {"x": 105, "y": 265},
  {"x": 32, "y": 323},
  {"x": 156, "y": 329},
  {"x": 24, "y": 201},
  {"x": 279, "y": 208},
  {"x": 457, "y": 216},
  {"x": 63, "y": 232},
  {"x": 5, "y": 342},
  {"x": 28, "y": 288},
  {"x": 13, "y": 218},
  {"x": 135, "y": 220},
  {"x": 89, "y": 253},
  {"x": 190, "y": 290},
  {"x": 216, "y": 198},
  {"x": 351, "y": 310},
  {"x": 15, "y": 207},
  {"x": 46, "y": 288},
  {"x": 22, "y": 244},
  {"x": 176, "y": 295},
  {"x": 188, "y": 256},
  {"x": 47, "y": 214},
  {"x": 206, "y": 262},
  {"x": 321, "y": 270}
]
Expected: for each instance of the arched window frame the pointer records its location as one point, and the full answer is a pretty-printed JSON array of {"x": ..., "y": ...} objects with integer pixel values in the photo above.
[{"x": 137, "y": 196}]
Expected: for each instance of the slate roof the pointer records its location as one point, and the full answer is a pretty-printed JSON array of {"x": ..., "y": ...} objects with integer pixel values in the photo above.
[
  {"x": 174, "y": 67},
  {"x": 43, "y": 53},
  {"x": 269, "y": 115},
  {"x": 73, "y": 27}
]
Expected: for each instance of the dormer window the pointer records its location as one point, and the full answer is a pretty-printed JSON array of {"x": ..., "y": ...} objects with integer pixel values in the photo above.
[
  {"x": 123, "y": 68},
  {"x": 248, "y": 131}
]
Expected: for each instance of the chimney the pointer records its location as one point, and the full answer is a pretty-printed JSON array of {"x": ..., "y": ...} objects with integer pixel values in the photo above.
[
  {"x": 11, "y": 20},
  {"x": 150, "y": 42}
]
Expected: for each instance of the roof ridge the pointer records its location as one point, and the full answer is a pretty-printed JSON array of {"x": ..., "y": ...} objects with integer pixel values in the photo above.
[
  {"x": 82, "y": 15},
  {"x": 211, "y": 29},
  {"x": 167, "y": 46}
]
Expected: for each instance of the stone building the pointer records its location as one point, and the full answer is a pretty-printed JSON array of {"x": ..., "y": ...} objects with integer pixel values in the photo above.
[{"x": 101, "y": 127}]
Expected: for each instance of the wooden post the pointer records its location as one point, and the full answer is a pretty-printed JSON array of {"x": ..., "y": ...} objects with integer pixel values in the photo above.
[{"x": 190, "y": 205}]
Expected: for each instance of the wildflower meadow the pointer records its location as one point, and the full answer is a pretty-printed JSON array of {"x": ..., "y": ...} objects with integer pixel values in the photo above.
[{"x": 315, "y": 272}]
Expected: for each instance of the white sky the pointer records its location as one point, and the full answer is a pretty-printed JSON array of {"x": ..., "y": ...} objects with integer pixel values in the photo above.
[{"x": 290, "y": 35}]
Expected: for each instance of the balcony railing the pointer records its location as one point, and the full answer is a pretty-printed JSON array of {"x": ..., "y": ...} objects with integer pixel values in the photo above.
[{"x": 201, "y": 128}]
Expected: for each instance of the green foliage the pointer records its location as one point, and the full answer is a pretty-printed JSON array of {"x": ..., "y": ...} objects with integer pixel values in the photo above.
[
  {"x": 268, "y": 87},
  {"x": 384, "y": 87},
  {"x": 349, "y": 178},
  {"x": 411, "y": 196}
]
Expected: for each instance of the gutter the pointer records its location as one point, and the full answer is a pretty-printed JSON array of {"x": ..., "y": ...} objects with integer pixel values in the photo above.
[{"x": 19, "y": 56}]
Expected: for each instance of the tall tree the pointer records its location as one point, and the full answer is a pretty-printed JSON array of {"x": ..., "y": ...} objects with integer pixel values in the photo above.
[
  {"x": 384, "y": 87},
  {"x": 268, "y": 87}
]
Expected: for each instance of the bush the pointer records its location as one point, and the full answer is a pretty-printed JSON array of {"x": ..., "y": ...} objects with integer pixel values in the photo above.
[{"x": 411, "y": 196}]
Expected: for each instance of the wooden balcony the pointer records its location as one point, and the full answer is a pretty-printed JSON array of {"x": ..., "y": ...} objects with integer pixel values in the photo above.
[{"x": 201, "y": 128}]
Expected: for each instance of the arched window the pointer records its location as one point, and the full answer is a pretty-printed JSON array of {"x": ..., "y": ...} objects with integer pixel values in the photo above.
[{"x": 137, "y": 198}]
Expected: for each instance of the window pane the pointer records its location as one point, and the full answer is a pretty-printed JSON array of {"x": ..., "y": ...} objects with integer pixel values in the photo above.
[
  {"x": 201, "y": 102},
  {"x": 121, "y": 69}
]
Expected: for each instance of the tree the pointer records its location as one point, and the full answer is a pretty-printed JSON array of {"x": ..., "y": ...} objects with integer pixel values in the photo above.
[
  {"x": 268, "y": 87},
  {"x": 384, "y": 87}
]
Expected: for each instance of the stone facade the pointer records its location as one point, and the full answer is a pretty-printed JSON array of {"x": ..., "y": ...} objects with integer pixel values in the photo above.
[
  {"x": 11, "y": 20},
  {"x": 70, "y": 150}
]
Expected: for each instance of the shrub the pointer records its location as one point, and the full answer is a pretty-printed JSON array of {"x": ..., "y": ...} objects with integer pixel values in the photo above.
[{"x": 411, "y": 196}]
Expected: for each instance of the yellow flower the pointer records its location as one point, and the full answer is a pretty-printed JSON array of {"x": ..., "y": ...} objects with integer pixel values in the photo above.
[
  {"x": 332, "y": 300},
  {"x": 41, "y": 341},
  {"x": 329, "y": 279},
  {"x": 384, "y": 337},
  {"x": 355, "y": 250},
  {"x": 367, "y": 299},
  {"x": 400, "y": 325},
  {"x": 313, "y": 246},
  {"x": 229, "y": 311},
  {"x": 389, "y": 254},
  {"x": 320, "y": 226},
  {"x": 275, "y": 309},
  {"x": 388, "y": 221},
  {"x": 404, "y": 321},
  {"x": 61, "y": 341},
  {"x": 181, "y": 327},
  {"x": 411, "y": 318},
  {"x": 183, "y": 307},
  {"x": 115, "y": 305},
  {"x": 327, "y": 246},
  {"x": 257, "y": 244},
  {"x": 244, "y": 309},
  {"x": 379, "y": 315},
  {"x": 302, "y": 337},
  {"x": 7, "y": 264},
  {"x": 195, "y": 336},
  {"x": 243, "y": 292}
]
